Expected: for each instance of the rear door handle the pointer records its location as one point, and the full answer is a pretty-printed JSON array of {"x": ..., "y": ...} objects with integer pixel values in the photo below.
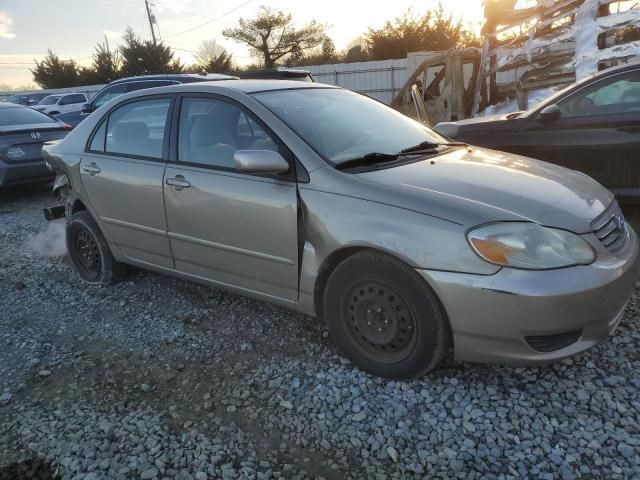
[
  {"x": 179, "y": 182},
  {"x": 91, "y": 169}
]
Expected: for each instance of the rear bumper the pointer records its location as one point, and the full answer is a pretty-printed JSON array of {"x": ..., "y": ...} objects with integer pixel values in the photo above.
[
  {"x": 494, "y": 317},
  {"x": 25, "y": 172}
]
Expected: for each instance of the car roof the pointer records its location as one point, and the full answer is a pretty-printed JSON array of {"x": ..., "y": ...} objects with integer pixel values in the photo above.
[
  {"x": 252, "y": 86},
  {"x": 275, "y": 73},
  {"x": 174, "y": 76},
  {"x": 617, "y": 69}
]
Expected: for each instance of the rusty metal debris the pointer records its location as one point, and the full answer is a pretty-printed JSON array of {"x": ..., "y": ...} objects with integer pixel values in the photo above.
[{"x": 528, "y": 46}]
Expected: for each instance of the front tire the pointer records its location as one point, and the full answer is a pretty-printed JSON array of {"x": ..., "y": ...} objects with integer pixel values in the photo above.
[
  {"x": 384, "y": 317},
  {"x": 89, "y": 251}
]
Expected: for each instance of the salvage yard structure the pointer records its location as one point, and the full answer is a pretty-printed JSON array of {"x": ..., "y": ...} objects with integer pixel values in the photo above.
[{"x": 530, "y": 50}]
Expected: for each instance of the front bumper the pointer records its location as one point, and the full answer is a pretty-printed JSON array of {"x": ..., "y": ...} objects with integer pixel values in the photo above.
[
  {"x": 33, "y": 171},
  {"x": 491, "y": 317}
]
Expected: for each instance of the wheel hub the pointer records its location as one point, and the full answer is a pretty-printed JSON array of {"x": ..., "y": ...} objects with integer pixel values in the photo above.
[
  {"x": 380, "y": 319},
  {"x": 87, "y": 252}
]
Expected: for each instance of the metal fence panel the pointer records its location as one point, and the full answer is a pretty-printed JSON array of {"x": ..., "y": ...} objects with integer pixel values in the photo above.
[{"x": 380, "y": 79}]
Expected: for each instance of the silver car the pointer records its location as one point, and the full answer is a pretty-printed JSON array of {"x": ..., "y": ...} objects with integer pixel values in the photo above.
[{"x": 325, "y": 201}]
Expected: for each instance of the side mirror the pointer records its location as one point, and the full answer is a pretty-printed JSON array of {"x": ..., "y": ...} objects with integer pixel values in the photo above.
[
  {"x": 87, "y": 108},
  {"x": 550, "y": 114},
  {"x": 260, "y": 161},
  {"x": 31, "y": 102}
]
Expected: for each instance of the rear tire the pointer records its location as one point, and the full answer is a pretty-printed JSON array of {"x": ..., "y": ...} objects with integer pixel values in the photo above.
[
  {"x": 89, "y": 251},
  {"x": 384, "y": 317}
]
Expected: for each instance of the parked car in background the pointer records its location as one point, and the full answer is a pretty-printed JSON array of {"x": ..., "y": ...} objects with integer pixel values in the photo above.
[
  {"x": 22, "y": 134},
  {"x": 592, "y": 126},
  {"x": 277, "y": 74},
  {"x": 131, "y": 84},
  {"x": 26, "y": 99},
  {"x": 330, "y": 203},
  {"x": 61, "y": 103}
]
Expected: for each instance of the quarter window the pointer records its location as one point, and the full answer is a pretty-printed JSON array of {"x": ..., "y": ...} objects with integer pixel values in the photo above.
[
  {"x": 619, "y": 94},
  {"x": 138, "y": 128},
  {"x": 97, "y": 142},
  {"x": 211, "y": 131}
]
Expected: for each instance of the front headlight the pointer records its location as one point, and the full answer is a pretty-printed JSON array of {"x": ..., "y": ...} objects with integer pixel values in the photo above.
[{"x": 530, "y": 246}]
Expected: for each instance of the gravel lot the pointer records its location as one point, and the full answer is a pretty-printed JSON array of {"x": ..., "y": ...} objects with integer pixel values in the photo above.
[{"x": 156, "y": 377}]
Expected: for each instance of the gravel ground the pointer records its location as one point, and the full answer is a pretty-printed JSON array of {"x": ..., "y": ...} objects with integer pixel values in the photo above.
[{"x": 160, "y": 378}]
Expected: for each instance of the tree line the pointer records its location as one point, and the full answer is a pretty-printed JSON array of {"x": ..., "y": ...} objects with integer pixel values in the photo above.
[{"x": 273, "y": 40}]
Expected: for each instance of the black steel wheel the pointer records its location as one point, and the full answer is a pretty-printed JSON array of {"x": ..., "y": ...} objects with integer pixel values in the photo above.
[
  {"x": 89, "y": 251},
  {"x": 380, "y": 320},
  {"x": 384, "y": 317}
]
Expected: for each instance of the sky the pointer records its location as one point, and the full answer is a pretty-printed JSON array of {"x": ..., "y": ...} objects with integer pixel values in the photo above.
[{"x": 29, "y": 27}]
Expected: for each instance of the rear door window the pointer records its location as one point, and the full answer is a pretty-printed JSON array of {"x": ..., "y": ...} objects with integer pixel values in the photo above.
[{"x": 138, "y": 128}]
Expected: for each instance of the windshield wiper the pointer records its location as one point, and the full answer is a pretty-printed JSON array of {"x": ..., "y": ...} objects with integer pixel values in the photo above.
[
  {"x": 431, "y": 146},
  {"x": 373, "y": 157},
  {"x": 377, "y": 157}
]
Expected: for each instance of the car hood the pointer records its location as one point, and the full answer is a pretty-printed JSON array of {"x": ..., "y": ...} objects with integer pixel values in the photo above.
[{"x": 474, "y": 185}]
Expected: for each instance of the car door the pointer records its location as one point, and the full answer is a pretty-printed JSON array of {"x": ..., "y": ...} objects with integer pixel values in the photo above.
[
  {"x": 122, "y": 173},
  {"x": 65, "y": 104},
  {"x": 597, "y": 132},
  {"x": 231, "y": 228}
]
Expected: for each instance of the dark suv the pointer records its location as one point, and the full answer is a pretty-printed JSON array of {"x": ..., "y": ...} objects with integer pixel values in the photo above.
[
  {"x": 278, "y": 74},
  {"x": 131, "y": 84}
]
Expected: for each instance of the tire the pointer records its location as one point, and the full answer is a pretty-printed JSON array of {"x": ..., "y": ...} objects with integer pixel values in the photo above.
[
  {"x": 89, "y": 251},
  {"x": 384, "y": 317}
]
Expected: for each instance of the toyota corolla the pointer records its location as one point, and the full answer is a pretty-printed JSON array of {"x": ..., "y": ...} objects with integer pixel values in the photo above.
[{"x": 330, "y": 203}]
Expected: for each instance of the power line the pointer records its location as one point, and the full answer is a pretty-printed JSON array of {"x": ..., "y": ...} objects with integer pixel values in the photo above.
[{"x": 210, "y": 21}]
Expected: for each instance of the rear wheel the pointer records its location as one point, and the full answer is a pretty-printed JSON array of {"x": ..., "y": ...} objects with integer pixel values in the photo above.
[
  {"x": 89, "y": 251},
  {"x": 384, "y": 317}
]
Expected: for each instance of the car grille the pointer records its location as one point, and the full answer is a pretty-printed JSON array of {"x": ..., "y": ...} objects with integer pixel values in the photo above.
[
  {"x": 551, "y": 343},
  {"x": 611, "y": 228}
]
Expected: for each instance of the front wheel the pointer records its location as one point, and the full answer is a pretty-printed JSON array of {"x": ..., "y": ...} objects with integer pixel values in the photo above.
[
  {"x": 89, "y": 251},
  {"x": 384, "y": 317}
]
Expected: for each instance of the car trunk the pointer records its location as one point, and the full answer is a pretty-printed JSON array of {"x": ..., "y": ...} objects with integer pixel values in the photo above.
[{"x": 23, "y": 143}]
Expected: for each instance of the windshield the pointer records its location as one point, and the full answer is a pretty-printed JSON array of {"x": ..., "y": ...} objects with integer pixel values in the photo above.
[
  {"x": 50, "y": 100},
  {"x": 15, "y": 116},
  {"x": 341, "y": 125}
]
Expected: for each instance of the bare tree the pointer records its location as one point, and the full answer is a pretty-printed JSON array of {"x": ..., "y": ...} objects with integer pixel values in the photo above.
[
  {"x": 209, "y": 51},
  {"x": 272, "y": 36}
]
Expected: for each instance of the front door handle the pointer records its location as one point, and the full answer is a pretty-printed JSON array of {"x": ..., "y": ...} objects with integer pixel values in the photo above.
[
  {"x": 179, "y": 182},
  {"x": 91, "y": 169}
]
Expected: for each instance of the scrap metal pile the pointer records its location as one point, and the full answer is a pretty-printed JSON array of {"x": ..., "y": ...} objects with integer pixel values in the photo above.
[{"x": 530, "y": 50}]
